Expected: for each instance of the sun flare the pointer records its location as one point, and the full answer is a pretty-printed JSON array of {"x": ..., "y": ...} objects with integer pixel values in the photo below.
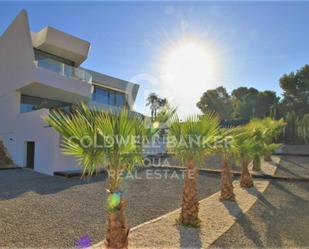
[
  {"x": 187, "y": 64},
  {"x": 188, "y": 68}
]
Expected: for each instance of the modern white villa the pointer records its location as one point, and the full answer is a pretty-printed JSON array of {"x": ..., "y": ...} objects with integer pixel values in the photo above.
[{"x": 41, "y": 71}]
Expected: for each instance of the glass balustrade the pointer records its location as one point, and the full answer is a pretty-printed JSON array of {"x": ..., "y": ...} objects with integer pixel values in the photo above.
[{"x": 64, "y": 69}]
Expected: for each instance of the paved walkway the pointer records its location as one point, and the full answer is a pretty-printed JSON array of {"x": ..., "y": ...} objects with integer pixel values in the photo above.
[
  {"x": 294, "y": 150},
  {"x": 216, "y": 216},
  {"x": 279, "y": 219},
  {"x": 293, "y": 167}
]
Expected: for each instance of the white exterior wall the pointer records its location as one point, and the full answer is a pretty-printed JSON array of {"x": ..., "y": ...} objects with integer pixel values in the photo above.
[
  {"x": 18, "y": 128},
  {"x": 16, "y": 56},
  {"x": 19, "y": 75},
  {"x": 63, "y": 162}
]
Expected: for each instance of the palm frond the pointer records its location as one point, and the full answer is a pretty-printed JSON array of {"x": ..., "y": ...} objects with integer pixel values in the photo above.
[
  {"x": 97, "y": 138},
  {"x": 194, "y": 136}
]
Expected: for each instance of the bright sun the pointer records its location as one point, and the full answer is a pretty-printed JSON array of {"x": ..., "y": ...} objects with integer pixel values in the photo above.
[
  {"x": 187, "y": 69},
  {"x": 187, "y": 64}
]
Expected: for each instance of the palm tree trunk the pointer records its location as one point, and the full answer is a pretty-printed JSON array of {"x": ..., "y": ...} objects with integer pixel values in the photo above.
[
  {"x": 245, "y": 178},
  {"x": 226, "y": 181},
  {"x": 267, "y": 157},
  {"x": 256, "y": 163},
  {"x": 190, "y": 203},
  {"x": 117, "y": 229}
]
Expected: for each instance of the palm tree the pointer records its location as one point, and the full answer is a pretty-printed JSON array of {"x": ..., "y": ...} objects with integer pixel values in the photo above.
[
  {"x": 190, "y": 139},
  {"x": 257, "y": 135},
  {"x": 244, "y": 148},
  {"x": 275, "y": 128},
  {"x": 264, "y": 131},
  {"x": 98, "y": 139},
  {"x": 223, "y": 146},
  {"x": 153, "y": 102}
]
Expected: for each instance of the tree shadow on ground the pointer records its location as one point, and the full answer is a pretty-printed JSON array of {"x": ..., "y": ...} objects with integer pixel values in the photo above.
[
  {"x": 284, "y": 226},
  {"x": 189, "y": 237},
  {"x": 285, "y": 159},
  {"x": 259, "y": 195},
  {"x": 244, "y": 222},
  {"x": 267, "y": 214},
  {"x": 283, "y": 170},
  {"x": 288, "y": 222},
  {"x": 280, "y": 186}
]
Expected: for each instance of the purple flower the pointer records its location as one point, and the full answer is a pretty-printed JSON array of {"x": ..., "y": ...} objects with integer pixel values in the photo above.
[{"x": 83, "y": 242}]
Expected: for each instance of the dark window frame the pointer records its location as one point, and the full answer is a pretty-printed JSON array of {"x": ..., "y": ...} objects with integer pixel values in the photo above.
[
  {"x": 110, "y": 92},
  {"x": 62, "y": 104},
  {"x": 38, "y": 53}
]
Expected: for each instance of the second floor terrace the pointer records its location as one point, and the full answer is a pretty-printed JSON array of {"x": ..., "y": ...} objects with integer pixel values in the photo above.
[
  {"x": 61, "y": 66},
  {"x": 48, "y": 68}
]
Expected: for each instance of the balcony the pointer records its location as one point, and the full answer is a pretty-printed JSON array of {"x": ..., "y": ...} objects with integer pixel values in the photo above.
[{"x": 64, "y": 69}]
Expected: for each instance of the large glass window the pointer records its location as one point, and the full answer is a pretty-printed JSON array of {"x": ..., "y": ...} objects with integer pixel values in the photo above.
[
  {"x": 119, "y": 99},
  {"x": 111, "y": 99},
  {"x": 108, "y": 97},
  {"x": 30, "y": 103},
  {"x": 100, "y": 95},
  {"x": 43, "y": 57}
]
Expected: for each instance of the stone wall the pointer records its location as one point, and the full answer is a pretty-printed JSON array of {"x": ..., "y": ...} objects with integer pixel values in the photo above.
[{"x": 5, "y": 160}]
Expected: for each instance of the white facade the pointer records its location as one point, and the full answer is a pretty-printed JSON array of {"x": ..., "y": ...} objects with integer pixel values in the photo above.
[{"x": 22, "y": 74}]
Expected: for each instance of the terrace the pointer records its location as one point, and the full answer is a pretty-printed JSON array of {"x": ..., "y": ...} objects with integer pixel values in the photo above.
[{"x": 63, "y": 69}]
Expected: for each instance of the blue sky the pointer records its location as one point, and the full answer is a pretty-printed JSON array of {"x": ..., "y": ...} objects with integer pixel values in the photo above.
[{"x": 248, "y": 43}]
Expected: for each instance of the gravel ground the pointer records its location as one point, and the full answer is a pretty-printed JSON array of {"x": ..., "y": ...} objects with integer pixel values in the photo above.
[
  {"x": 45, "y": 211},
  {"x": 279, "y": 219},
  {"x": 293, "y": 166}
]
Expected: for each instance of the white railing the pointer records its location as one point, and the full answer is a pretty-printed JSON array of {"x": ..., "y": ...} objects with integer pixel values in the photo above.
[{"x": 64, "y": 69}]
